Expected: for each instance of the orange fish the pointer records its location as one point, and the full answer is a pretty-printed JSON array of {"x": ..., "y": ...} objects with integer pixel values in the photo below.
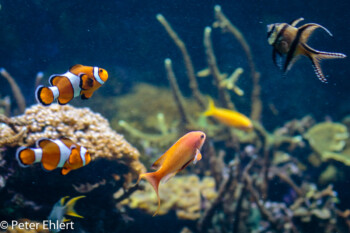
[
  {"x": 229, "y": 117},
  {"x": 54, "y": 154},
  {"x": 175, "y": 159},
  {"x": 79, "y": 80},
  {"x": 289, "y": 40}
]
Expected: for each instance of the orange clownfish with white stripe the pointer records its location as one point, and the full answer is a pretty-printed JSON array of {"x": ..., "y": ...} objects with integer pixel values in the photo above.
[
  {"x": 175, "y": 159},
  {"x": 289, "y": 40},
  {"x": 79, "y": 80},
  {"x": 54, "y": 154}
]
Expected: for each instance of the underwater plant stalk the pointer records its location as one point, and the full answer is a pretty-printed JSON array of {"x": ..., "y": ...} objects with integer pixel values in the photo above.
[
  {"x": 187, "y": 59},
  {"x": 214, "y": 70},
  {"x": 227, "y": 26},
  {"x": 21, "y": 103},
  {"x": 176, "y": 92}
]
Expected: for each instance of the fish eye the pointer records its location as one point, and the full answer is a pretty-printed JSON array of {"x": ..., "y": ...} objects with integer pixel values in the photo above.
[
  {"x": 100, "y": 70},
  {"x": 202, "y": 136}
]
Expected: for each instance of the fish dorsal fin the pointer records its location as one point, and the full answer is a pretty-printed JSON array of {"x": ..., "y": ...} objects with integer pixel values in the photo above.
[
  {"x": 66, "y": 141},
  {"x": 168, "y": 177},
  {"x": 42, "y": 142},
  {"x": 157, "y": 164},
  {"x": 296, "y": 21},
  {"x": 72, "y": 68},
  {"x": 54, "y": 79},
  {"x": 70, "y": 207},
  {"x": 308, "y": 29},
  {"x": 86, "y": 82},
  {"x": 197, "y": 157}
]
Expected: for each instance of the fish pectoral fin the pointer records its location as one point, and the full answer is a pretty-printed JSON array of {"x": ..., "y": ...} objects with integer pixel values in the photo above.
[
  {"x": 277, "y": 58},
  {"x": 65, "y": 171},
  {"x": 74, "y": 157},
  {"x": 168, "y": 177},
  {"x": 86, "y": 94},
  {"x": 296, "y": 21},
  {"x": 70, "y": 207},
  {"x": 185, "y": 165},
  {"x": 86, "y": 82},
  {"x": 197, "y": 157},
  {"x": 159, "y": 162}
]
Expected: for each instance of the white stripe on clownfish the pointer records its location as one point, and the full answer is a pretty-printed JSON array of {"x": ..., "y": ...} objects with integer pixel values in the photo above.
[
  {"x": 73, "y": 79},
  {"x": 83, "y": 151},
  {"x": 97, "y": 76},
  {"x": 55, "y": 91},
  {"x": 38, "y": 152},
  {"x": 64, "y": 152}
]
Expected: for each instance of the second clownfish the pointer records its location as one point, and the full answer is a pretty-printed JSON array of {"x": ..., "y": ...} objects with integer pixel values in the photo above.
[{"x": 79, "y": 80}]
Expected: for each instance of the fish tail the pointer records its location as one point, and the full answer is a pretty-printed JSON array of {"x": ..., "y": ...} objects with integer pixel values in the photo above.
[
  {"x": 70, "y": 207},
  {"x": 316, "y": 57},
  {"x": 25, "y": 156},
  {"x": 46, "y": 95},
  {"x": 154, "y": 180},
  {"x": 211, "y": 107}
]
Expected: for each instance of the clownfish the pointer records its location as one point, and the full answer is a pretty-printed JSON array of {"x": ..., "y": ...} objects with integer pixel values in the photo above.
[
  {"x": 289, "y": 40},
  {"x": 62, "y": 208},
  {"x": 175, "y": 159},
  {"x": 54, "y": 154},
  {"x": 79, "y": 80},
  {"x": 229, "y": 117}
]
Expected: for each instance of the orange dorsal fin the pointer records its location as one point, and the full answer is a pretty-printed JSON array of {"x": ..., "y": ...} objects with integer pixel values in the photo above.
[
  {"x": 157, "y": 164},
  {"x": 73, "y": 68},
  {"x": 42, "y": 142},
  {"x": 154, "y": 180}
]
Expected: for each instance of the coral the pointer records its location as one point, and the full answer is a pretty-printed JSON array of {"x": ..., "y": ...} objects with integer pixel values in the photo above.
[
  {"x": 81, "y": 125},
  {"x": 328, "y": 140},
  {"x": 15, "y": 89},
  {"x": 181, "y": 193}
]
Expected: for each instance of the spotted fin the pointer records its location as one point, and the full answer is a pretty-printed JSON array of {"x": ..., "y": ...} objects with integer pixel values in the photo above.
[
  {"x": 86, "y": 82},
  {"x": 316, "y": 57}
]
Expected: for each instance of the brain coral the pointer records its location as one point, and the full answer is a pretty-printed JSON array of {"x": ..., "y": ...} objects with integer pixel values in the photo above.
[{"x": 83, "y": 126}]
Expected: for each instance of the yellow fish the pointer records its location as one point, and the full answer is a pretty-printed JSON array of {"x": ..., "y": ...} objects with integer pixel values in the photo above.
[
  {"x": 175, "y": 159},
  {"x": 289, "y": 40},
  {"x": 228, "y": 117}
]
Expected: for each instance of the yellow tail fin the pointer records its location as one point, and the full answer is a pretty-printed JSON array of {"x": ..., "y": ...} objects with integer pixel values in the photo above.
[
  {"x": 154, "y": 180},
  {"x": 70, "y": 207},
  {"x": 211, "y": 107}
]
